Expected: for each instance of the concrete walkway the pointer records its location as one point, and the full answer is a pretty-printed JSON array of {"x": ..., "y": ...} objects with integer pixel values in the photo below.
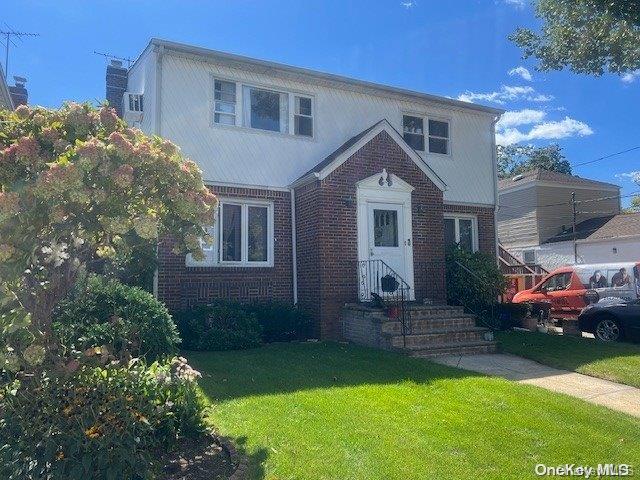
[{"x": 602, "y": 392}]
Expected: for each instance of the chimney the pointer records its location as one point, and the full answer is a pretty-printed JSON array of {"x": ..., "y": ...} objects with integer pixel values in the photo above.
[
  {"x": 18, "y": 92},
  {"x": 116, "y": 80}
]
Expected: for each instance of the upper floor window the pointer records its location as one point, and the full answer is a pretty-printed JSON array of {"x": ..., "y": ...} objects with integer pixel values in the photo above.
[
  {"x": 266, "y": 109},
  {"x": 135, "y": 102},
  {"x": 263, "y": 109},
  {"x": 413, "y": 131},
  {"x": 303, "y": 116},
  {"x": 438, "y": 136},
  {"x": 224, "y": 110}
]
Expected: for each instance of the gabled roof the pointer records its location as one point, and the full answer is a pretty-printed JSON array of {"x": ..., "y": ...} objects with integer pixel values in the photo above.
[
  {"x": 539, "y": 174},
  {"x": 305, "y": 74},
  {"x": 5, "y": 96},
  {"x": 602, "y": 228},
  {"x": 355, "y": 143}
]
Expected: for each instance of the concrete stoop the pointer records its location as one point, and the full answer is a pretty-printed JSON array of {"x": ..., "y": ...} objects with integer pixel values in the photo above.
[{"x": 431, "y": 330}]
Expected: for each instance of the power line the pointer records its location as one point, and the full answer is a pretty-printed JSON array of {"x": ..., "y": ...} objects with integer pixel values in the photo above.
[
  {"x": 8, "y": 34},
  {"x": 606, "y": 156},
  {"x": 114, "y": 57}
]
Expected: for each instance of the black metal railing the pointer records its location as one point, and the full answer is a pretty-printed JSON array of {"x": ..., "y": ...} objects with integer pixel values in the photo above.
[{"x": 380, "y": 285}]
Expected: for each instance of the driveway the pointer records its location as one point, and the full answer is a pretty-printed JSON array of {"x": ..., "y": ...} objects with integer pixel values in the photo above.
[{"x": 616, "y": 396}]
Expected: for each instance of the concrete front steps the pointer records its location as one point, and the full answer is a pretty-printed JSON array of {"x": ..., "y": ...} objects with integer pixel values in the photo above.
[{"x": 431, "y": 330}]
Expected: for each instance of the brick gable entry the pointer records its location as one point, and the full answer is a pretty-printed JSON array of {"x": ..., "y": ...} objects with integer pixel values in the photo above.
[{"x": 327, "y": 232}]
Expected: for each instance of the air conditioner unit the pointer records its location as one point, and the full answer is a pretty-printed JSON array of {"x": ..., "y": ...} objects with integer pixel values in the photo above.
[{"x": 133, "y": 110}]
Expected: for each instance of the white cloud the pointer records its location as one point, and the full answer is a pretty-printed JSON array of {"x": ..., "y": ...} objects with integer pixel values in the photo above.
[
  {"x": 505, "y": 94},
  {"x": 630, "y": 77},
  {"x": 408, "y": 4},
  {"x": 519, "y": 4},
  {"x": 514, "y": 118},
  {"x": 551, "y": 130},
  {"x": 634, "y": 175},
  {"x": 521, "y": 72}
]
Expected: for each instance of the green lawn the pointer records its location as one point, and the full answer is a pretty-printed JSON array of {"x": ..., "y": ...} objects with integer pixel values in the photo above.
[
  {"x": 333, "y": 411},
  {"x": 619, "y": 362}
]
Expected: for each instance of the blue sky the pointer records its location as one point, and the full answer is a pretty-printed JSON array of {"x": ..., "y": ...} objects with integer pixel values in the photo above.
[{"x": 452, "y": 48}]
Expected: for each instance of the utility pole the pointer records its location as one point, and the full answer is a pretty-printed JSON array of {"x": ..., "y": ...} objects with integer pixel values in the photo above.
[
  {"x": 575, "y": 243},
  {"x": 8, "y": 34}
]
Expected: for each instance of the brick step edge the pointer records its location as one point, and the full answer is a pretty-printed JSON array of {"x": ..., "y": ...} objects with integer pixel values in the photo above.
[
  {"x": 436, "y": 341},
  {"x": 440, "y": 331},
  {"x": 429, "y": 325},
  {"x": 472, "y": 348}
]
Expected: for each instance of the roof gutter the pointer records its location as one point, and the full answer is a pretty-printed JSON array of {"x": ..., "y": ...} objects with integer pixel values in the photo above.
[{"x": 308, "y": 178}]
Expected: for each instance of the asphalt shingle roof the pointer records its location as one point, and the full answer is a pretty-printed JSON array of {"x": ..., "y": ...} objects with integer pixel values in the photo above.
[{"x": 612, "y": 226}]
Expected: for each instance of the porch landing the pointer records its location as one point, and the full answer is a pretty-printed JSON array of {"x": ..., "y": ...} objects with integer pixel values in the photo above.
[{"x": 430, "y": 330}]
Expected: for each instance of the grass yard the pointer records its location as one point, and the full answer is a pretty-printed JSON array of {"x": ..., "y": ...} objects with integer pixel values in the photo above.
[
  {"x": 334, "y": 411},
  {"x": 618, "y": 362}
]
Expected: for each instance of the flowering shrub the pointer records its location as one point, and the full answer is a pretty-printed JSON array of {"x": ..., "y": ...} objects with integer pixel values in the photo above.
[
  {"x": 126, "y": 319},
  {"x": 75, "y": 185},
  {"x": 109, "y": 422}
]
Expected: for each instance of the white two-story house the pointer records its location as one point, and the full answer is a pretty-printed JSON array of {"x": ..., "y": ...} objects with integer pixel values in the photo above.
[{"x": 316, "y": 174}]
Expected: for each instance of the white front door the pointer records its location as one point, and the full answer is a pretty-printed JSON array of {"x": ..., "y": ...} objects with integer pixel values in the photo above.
[{"x": 387, "y": 240}]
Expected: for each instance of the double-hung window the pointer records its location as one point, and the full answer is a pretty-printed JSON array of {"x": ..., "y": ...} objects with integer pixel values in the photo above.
[
  {"x": 224, "y": 96},
  {"x": 243, "y": 235},
  {"x": 462, "y": 231},
  {"x": 303, "y": 116},
  {"x": 436, "y": 133},
  {"x": 438, "y": 137}
]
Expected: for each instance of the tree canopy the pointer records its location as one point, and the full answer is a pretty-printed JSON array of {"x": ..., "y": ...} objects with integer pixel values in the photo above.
[
  {"x": 516, "y": 159},
  {"x": 587, "y": 36}
]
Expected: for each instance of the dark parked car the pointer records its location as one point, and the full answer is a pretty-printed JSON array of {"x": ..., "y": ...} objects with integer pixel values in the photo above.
[{"x": 612, "y": 319}]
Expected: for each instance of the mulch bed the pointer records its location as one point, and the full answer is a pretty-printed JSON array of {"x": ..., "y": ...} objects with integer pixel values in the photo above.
[{"x": 207, "y": 457}]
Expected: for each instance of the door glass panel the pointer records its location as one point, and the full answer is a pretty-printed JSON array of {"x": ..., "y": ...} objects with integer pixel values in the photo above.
[
  {"x": 385, "y": 228},
  {"x": 466, "y": 234},
  {"x": 231, "y": 233},
  {"x": 257, "y": 231},
  {"x": 449, "y": 232}
]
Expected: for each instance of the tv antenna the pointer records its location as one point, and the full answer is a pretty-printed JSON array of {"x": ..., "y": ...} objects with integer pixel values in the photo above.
[
  {"x": 114, "y": 57},
  {"x": 9, "y": 35}
]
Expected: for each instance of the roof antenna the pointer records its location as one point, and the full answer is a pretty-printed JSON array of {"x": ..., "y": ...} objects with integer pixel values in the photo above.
[
  {"x": 8, "y": 34},
  {"x": 114, "y": 57}
]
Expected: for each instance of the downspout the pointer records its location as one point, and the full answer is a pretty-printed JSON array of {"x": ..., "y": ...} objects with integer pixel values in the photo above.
[
  {"x": 157, "y": 129},
  {"x": 294, "y": 254},
  {"x": 494, "y": 163}
]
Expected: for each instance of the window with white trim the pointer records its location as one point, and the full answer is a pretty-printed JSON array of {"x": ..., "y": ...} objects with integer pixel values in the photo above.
[
  {"x": 438, "y": 136},
  {"x": 265, "y": 109},
  {"x": 243, "y": 235},
  {"x": 413, "y": 131},
  {"x": 224, "y": 102},
  {"x": 529, "y": 257},
  {"x": 303, "y": 116},
  {"x": 461, "y": 230}
]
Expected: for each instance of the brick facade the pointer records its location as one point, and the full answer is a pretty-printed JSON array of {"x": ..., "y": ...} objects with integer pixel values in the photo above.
[
  {"x": 327, "y": 232},
  {"x": 326, "y": 237},
  {"x": 180, "y": 286}
]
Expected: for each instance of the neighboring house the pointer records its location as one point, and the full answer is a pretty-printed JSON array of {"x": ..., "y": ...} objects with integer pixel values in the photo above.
[
  {"x": 536, "y": 214},
  {"x": 5, "y": 95},
  {"x": 614, "y": 238},
  {"x": 314, "y": 173}
]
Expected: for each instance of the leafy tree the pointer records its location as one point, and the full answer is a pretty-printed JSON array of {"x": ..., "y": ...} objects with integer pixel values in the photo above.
[
  {"x": 634, "y": 206},
  {"x": 78, "y": 187},
  {"x": 516, "y": 159},
  {"x": 588, "y": 36}
]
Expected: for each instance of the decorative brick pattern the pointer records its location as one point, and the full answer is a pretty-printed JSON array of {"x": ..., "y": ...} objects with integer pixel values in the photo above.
[{"x": 180, "y": 286}]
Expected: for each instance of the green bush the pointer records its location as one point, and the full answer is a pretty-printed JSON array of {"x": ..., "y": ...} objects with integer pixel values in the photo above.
[
  {"x": 110, "y": 422},
  {"x": 222, "y": 325},
  {"x": 106, "y": 312},
  {"x": 281, "y": 321},
  {"x": 473, "y": 281}
]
